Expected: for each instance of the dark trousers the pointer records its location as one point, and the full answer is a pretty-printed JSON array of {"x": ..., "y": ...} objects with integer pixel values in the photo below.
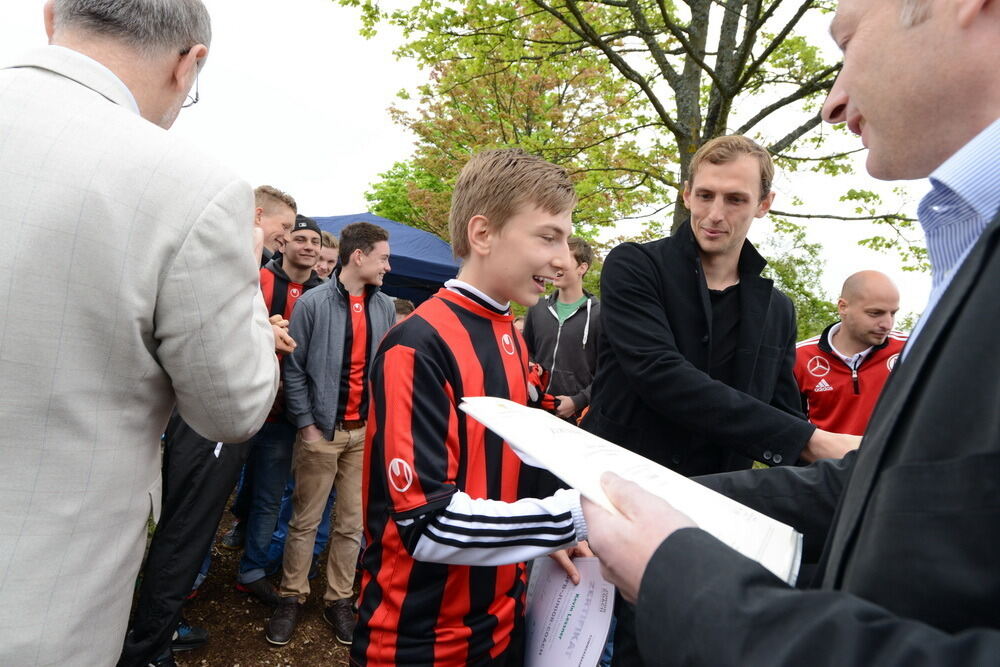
[{"x": 196, "y": 486}]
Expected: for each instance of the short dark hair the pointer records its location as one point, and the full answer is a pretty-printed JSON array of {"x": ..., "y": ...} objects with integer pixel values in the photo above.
[
  {"x": 581, "y": 250},
  {"x": 404, "y": 306},
  {"x": 359, "y": 236}
]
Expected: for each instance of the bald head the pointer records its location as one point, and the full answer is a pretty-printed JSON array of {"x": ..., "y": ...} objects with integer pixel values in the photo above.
[
  {"x": 867, "y": 306},
  {"x": 868, "y": 282}
]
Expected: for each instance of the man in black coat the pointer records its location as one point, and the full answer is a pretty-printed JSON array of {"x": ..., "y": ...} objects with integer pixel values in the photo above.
[
  {"x": 697, "y": 349},
  {"x": 908, "y": 525}
]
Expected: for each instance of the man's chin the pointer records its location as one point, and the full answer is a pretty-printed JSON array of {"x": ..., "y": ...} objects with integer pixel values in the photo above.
[{"x": 526, "y": 300}]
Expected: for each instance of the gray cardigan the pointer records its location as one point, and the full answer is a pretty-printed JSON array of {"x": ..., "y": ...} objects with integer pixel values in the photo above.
[{"x": 312, "y": 371}]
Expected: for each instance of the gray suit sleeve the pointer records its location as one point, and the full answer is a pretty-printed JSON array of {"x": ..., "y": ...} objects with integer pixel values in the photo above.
[{"x": 212, "y": 334}]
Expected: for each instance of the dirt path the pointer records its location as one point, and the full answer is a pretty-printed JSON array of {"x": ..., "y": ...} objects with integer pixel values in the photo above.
[{"x": 235, "y": 622}]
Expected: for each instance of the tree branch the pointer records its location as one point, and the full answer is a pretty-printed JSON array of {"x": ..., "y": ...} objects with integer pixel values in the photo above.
[
  {"x": 793, "y": 136},
  {"x": 814, "y": 85},
  {"x": 817, "y": 216}
]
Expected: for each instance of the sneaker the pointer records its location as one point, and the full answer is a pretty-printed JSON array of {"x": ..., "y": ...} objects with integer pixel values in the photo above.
[
  {"x": 262, "y": 589},
  {"x": 341, "y": 616},
  {"x": 233, "y": 538},
  {"x": 166, "y": 660},
  {"x": 281, "y": 625},
  {"x": 188, "y": 637}
]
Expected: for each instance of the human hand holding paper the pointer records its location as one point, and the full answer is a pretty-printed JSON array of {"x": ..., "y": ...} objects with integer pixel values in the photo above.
[{"x": 626, "y": 540}]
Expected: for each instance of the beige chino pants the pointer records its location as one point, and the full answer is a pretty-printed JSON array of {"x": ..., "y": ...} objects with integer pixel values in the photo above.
[{"x": 317, "y": 467}]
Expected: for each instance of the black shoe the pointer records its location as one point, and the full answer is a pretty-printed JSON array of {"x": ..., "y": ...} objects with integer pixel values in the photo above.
[
  {"x": 281, "y": 625},
  {"x": 233, "y": 538},
  {"x": 164, "y": 661},
  {"x": 341, "y": 617},
  {"x": 188, "y": 637},
  {"x": 263, "y": 590}
]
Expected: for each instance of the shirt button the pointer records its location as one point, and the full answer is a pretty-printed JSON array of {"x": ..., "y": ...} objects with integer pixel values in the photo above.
[
  {"x": 767, "y": 455},
  {"x": 704, "y": 339},
  {"x": 777, "y": 458}
]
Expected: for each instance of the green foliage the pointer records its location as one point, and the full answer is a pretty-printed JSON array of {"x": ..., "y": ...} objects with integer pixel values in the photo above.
[
  {"x": 396, "y": 197},
  {"x": 621, "y": 93},
  {"x": 796, "y": 267}
]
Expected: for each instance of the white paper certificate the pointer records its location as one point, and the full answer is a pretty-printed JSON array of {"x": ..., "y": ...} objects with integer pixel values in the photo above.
[
  {"x": 567, "y": 625},
  {"x": 579, "y": 458}
]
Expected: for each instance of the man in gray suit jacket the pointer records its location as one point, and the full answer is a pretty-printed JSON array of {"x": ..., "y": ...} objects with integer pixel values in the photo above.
[
  {"x": 151, "y": 300},
  {"x": 908, "y": 525}
]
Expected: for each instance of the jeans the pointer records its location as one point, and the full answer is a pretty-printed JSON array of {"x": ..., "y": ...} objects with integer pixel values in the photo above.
[{"x": 264, "y": 480}]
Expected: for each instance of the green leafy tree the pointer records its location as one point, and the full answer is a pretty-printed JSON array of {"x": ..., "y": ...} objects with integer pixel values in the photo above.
[
  {"x": 665, "y": 77},
  {"x": 796, "y": 267}
]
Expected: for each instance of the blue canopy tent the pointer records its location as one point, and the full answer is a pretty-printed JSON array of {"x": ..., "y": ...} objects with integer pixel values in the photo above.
[{"x": 421, "y": 262}]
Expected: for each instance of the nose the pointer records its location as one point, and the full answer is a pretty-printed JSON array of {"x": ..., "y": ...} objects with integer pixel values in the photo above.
[
  {"x": 835, "y": 106},
  {"x": 717, "y": 209},
  {"x": 561, "y": 259}
]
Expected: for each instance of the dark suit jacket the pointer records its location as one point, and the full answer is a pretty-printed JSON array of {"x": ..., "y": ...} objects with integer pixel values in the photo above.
[
  {"x": 910, "y": 571},
  {"x": 652, "y": 392}
]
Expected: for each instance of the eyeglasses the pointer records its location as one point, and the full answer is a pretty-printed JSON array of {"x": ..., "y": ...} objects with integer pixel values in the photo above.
[{"x": 191, "y": 99}]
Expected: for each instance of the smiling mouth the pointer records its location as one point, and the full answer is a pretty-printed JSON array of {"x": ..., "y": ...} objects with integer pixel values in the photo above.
[{"x": 541, "y": 281}]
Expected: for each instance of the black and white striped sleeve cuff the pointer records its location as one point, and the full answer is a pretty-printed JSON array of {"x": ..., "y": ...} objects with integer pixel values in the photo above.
[{"x": 490, "y": 532}]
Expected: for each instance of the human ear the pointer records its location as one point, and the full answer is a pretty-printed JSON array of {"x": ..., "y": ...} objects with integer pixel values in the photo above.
[
  {"x": 765, "y": 205},
  {"x": 187, "y": 67},
  {"x": 480, "y": 234},
  {"x": 968, "y": 10}
]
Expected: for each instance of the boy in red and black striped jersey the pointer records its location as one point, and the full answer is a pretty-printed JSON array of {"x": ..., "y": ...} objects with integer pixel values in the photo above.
[{"x": 447, "y": 522}]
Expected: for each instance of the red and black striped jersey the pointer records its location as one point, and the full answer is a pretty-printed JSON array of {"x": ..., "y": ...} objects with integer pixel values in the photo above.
[
  {"x": 446, "y": 525},
  {"x": 354, "y": 366}
]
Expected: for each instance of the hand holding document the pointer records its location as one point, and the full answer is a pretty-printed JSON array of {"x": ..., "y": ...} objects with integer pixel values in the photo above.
[
  {"x": 567, "y": 624},
  {"x": 579, "y": 458}
]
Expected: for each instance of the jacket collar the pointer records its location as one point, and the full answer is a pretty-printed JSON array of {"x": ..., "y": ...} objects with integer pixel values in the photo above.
[
  {"x": 824, "y": 342},
  {"x": 84, "y": 70},
  {"x": 276, "y": 267},
  {"x": 339, "y": 288}
]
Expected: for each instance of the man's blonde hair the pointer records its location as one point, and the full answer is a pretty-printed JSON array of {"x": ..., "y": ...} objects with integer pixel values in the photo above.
[
  {"x": 723, "y": 150},
  {"x": 267, "y": 197},
  {"x": 497, "y": 183},
  {"x": 328, "y": 240}
]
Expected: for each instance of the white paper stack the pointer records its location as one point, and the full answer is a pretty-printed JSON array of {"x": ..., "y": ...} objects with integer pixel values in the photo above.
[{"x": 579, "y": 458}]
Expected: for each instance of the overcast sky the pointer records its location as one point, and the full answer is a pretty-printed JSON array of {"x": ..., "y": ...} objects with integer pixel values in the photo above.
[{"x": 293, "y": 96}]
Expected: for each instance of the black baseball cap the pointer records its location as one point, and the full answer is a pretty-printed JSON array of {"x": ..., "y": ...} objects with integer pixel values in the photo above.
[{"x": 302, "y": 222}]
